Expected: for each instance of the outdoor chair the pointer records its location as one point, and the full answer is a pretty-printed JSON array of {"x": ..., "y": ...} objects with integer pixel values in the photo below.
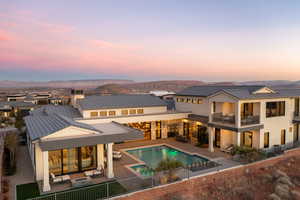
[
  {"x": 59, "y": 179},
  {"x": 94, "y": 173},
  {"x": 117, "y": 155}
]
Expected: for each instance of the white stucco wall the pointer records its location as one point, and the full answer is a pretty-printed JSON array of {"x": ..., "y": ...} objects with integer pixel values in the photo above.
[{"x": 198, "y": 109}]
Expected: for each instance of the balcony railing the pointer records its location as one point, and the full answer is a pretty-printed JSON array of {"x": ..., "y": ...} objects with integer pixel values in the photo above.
[
  {"x": 224, "y": 119},
  {"x": 250, "y": 120}
]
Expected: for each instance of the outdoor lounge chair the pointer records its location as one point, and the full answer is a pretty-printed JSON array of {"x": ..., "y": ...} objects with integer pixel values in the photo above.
[
  {"x": 227, "y": 149},
  {"x": 94, "y": 173},
  {"x": 59, "y": 179},
  {"x": 117, "y": 155}
]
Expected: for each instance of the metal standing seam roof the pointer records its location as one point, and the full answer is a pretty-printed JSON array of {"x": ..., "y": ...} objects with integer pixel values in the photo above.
[
  {"x": 41, "y": 126},
  {"x": 120, "y": 101},
  {"x": 16, "y": 104},
  {"x": 240, "y": 92},
  {"x": 64, "y": 110}
]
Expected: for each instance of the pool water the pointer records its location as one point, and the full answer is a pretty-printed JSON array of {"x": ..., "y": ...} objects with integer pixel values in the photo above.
[{"x": 152, "y": 156}]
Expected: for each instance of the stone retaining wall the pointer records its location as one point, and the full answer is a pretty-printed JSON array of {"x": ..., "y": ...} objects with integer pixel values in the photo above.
[{"x": 199, "y": 183}]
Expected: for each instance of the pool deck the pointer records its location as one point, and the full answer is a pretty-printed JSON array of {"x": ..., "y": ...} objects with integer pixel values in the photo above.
[{"x": 121, "y": 171}]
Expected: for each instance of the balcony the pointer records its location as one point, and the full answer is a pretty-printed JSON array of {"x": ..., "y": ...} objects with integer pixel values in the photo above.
[
  {"x": 224, "y": 119},
  {"x": 250, "y": 120}
]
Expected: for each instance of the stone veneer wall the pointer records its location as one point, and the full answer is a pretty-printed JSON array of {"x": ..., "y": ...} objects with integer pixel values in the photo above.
[{"x": 201, "y": 182}]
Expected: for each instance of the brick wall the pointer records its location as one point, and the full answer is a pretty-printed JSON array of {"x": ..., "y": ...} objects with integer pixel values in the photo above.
[{"x": 200, "y": 183}]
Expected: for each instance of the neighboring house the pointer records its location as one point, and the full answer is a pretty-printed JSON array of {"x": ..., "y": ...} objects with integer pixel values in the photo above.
[
  {"x": 39, "y": 98},
  {"x": 11, "y": 108},
  {"x": 253, "y": 116}
]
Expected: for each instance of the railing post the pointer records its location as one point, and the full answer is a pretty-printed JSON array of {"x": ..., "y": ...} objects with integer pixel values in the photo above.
[{"x": 107, "y": 190}]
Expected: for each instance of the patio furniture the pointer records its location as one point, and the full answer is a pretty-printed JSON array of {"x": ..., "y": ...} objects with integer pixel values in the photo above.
[
  {"x": 227, "y": 149},
  {"x": 59, "y": 179},
  {"x": 117, "y": 155},
  {"x": 94, "y": 173},
  {"x": 80, "y": 182}
]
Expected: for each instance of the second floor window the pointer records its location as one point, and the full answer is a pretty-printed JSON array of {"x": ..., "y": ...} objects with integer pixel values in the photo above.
[
  {"x": 274, "y": 109},
  {"x": 112, "y": 113}
]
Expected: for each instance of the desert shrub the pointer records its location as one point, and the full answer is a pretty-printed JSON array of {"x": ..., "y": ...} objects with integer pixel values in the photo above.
[
  {"x": 168, "y": 168},
  {"x": 247, "y": 154}
]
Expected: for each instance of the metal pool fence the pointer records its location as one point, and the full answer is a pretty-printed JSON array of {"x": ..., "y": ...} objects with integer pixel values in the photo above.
[{"x": 127, "y": 185}]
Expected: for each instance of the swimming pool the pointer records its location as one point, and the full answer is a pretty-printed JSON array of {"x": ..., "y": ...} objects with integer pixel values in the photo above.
[{"x": 152, "y": 156}]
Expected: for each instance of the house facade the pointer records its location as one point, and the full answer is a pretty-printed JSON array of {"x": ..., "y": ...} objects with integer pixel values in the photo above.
[
  {"x": 252, "y": 116},
  {"x": 80, "y": 137}
]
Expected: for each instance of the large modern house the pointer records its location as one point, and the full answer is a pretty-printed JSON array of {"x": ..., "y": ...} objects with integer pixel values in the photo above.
[{"x": 80, "y": 137}]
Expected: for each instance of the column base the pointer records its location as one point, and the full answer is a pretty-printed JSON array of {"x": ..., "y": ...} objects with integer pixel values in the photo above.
[{"x": 46, "y": 187}]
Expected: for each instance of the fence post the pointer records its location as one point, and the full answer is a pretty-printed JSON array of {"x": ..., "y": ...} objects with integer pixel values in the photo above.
[{"x": 107, "y": 190}]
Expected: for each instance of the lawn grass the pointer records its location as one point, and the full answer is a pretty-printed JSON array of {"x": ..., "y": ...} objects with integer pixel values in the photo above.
[
  {"x": 93, "y": 192},
  {"x": 26, "y": 191}
]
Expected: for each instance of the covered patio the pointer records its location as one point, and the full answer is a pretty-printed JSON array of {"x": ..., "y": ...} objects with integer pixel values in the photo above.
[{"x": 67, "y": 153}]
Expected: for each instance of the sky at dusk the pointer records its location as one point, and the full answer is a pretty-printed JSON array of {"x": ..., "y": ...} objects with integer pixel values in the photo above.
[{"x": 210, "y": 40}]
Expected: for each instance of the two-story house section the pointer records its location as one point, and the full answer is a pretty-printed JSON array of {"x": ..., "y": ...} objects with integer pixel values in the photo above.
[{"x": 252, "y": 116}]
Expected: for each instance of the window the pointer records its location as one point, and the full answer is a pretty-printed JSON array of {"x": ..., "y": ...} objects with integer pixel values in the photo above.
[
  {"x": 94, "y": 114},
  {"x": 194, "y": 100},
  {"x": 124, "y": 112},
  {"x": 112, "y": 113},
  {"x": 247, "y": 139},
  {"x": 274, "y": 109},
  {"x": 282, "y": 136},
  {"x": 140, "y": 111},
  {"x": 132, "y": 111},
  {"x": 266, "y": 140},
  {"x": 103, "y": 113},
  {"x": 189, "y": 100},
  {"x": 199, "y": 101}
]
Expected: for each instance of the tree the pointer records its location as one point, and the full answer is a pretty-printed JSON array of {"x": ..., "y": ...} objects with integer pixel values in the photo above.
[{"x": 168, "y": 167}]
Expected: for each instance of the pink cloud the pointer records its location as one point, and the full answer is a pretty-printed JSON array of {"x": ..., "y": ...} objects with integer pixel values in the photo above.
[
  {"x": 105, "y": 44},
  {"x": 5, "y": 36}
]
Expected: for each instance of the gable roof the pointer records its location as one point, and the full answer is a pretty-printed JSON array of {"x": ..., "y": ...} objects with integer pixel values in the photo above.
[
  {"x": 119, "y": 101},
  {"x": 41, "y": 126},
  {"x": 240, "y": 92},
  {"x": 207, "y": 90}
]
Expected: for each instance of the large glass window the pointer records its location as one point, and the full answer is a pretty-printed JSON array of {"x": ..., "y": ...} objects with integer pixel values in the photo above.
[
  {"x": 283, "y": 136},
  {"x": 266, "y": 140},
  {"x": 88, "y": 157},
  {"x": 72, "y": 160},
  {"x": 132, "y": 111},
  {"x": 247, "y": 139},
  {"x": 274, "y": 109},
  {"x": 103, "y": 113},
  {"x": 54, "y": 159},
  {"x": 124, "y": 112},
  {"x": 112, "y": 113},
  {"x": 143, "y": 126},
  {"x": 158, "y": 130},
  {"x": 94, "y": 114},
  {"x": 140, "y": 111}
]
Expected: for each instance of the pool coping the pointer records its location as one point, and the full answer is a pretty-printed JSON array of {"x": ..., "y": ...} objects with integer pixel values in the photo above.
[{"x": 140, "y": 162}]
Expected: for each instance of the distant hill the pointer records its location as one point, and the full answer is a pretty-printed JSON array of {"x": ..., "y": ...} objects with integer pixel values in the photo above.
[
  {"x": 62, "y": 84},
  {"x": 109, "y": 89},
  {"x": 270, "y": 83},
  {"x": 174, "y": 85}
]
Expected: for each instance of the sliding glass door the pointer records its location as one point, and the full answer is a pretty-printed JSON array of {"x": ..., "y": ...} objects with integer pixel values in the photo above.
[{"x": 72, "y": 160}]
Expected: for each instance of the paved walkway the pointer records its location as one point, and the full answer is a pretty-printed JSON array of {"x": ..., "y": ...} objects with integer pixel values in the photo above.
[{"x": 24, "y": 172}]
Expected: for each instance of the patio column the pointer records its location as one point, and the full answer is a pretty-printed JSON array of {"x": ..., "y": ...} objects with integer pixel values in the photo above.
[
  {"x": 261, "y": 134},
  {"x": 46, "y": 185},
  {"x": 211, "y": 139},
  {"x": 110, "y": 168},
  {"x": 238, "y": 114},
  {"x": 153, "y": 130},
  {"x": 164, "y": 131},
  {"x": 238, "y": 139},
  {"x": 100, "y": 155}
]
